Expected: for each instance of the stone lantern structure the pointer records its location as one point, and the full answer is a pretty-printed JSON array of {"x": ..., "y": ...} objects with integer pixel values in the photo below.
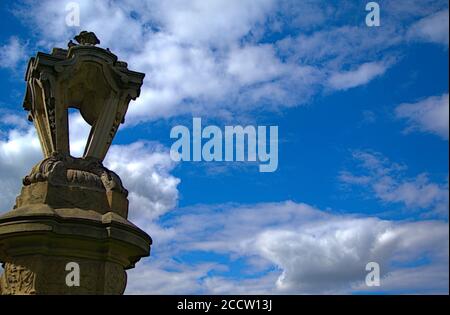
[{"x": 68, "y": 232}]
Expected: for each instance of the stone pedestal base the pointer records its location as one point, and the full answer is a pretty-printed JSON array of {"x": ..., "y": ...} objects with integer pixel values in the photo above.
[
  {"x": 48, "y": 275},
  {"x": 39, "y": 243}
]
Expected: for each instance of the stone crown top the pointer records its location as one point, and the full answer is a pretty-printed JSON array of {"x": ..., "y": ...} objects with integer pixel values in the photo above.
[{"x": 87, "y": 38}]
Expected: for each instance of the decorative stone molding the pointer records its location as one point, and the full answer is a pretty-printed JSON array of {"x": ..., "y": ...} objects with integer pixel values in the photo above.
[{"x": 59, "y": 169}]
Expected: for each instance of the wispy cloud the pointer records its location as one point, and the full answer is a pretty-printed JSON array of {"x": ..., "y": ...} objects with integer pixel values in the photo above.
[
  {"x": 432, "y": 28},
  {"x": 198, "y": 62},
  {"x": 12, "y": 53},
  {"x": 359, "y": 76},
  {"x": 430, "y": 115},
  {"x": 387, "y": 182}
]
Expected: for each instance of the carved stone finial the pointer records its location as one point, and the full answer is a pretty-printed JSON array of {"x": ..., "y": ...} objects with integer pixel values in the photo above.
[
  {"x": 71, "y": 44},
  {"x": 87, "y": 38}
]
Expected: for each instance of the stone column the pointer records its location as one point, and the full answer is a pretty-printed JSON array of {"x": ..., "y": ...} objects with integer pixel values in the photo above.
[{"x": 71, "y": 216}]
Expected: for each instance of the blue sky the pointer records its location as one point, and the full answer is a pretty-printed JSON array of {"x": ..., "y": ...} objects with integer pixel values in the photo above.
[{"x": 363, "y": 138}]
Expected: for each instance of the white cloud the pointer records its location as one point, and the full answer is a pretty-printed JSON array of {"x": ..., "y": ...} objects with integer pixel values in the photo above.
[
  {"x": 246, "y": 286},
  {"x": 359, "y": 76},
  {"x": 429, "y": 115},
  {"x": 155, "y": 278},
  {"x": 12, "y": 53},
  {"x": 19, "y": 151},
  {"x": 329, "y": 256},
  {"x": 13, "y": 120},
  {"x": 78, "y": 133},
  {"x": 335, "y": 47},
  {"x": 432, "y": 28},
  {"x": 349, "y": 178},
  {"x": 205, "y": 57},
  {"x": 386, "y": 180},
  {"x": 255, "y": 64},
  {"x": 175, "y": 74},
  {"x": 313, "y": 251},
  {"x": 216, "y": 23},
  {"x": 111, "y": 20},
  {"x": 144, "y": 169},
  {"x": 418, "y": 192},
  {"x": 413, "y": 9},
  {"x": 197, "y": 61}
]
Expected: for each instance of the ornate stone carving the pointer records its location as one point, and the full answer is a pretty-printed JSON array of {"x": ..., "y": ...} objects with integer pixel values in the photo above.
[
  {"x": 62, "y": 169},
  {"x": 17, "y": 279},
  {"x": 87, "y": 38},
  {"x": 50, "y": 276}
]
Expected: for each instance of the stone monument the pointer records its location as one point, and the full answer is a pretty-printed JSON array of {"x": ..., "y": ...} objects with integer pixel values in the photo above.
[{"x": 73, "y": 211}]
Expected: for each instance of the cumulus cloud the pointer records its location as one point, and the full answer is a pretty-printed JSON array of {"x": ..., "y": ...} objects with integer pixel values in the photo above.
[
  {"x": 327, "y": 257},
  {"x": 429, "y": 115},
  {"x": 197, "y": 61},
  {"x": 12, "y": 53},
  {"x": 312, "y": 251},
  {"x": 388, "y": 183},
  {"x": 166, "y": 277},
  {"x": 255, "y": 64},
  {"x": 214, "y": 23}
]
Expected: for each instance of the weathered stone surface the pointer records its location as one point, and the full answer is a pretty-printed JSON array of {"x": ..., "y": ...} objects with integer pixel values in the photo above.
[
  {"x": 38, "y": 241},
  {"x": 73, "y": 209},
  {"x": 85, "y": 77},
  {"x": 44, "y": 275}
]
